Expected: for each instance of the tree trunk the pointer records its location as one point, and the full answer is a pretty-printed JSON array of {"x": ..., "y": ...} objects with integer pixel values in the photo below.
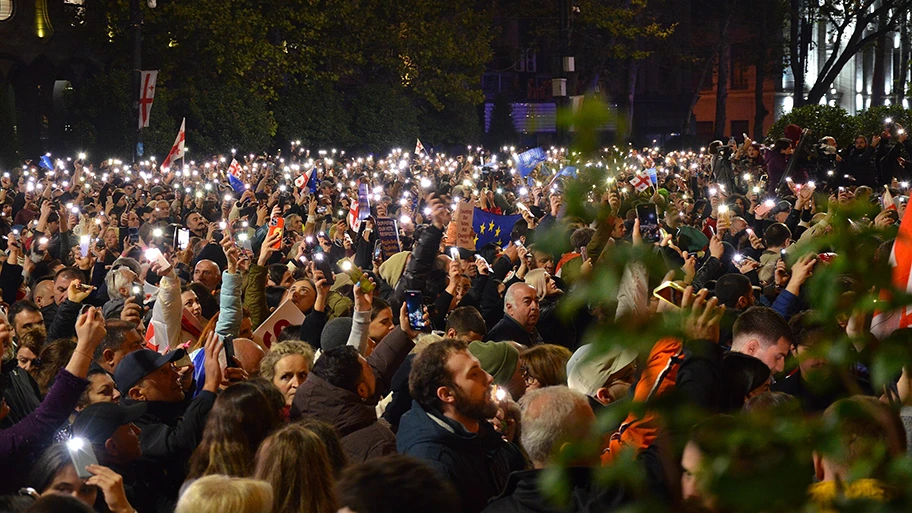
[
  {"x": 899, "y": 85},
  {"x": 722, "y": 86},
  {"x": 707, "y": 68},
  {"x": 795, "y": 52},
  {"x": 880, "y": 53},
  {"x": 633, "y": 68}
]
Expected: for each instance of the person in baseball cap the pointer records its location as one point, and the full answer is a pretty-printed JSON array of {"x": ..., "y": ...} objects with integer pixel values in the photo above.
[
  {"x": 603, "y": 375},
  {"x": 110, "y": 428},
  {"x": 146, "y": 375}
]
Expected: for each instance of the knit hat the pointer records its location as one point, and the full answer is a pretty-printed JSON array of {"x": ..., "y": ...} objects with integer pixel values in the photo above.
[
  {"x": 392, "y": 269},
  {"x": 691, "y": 240},
  {"x": 589, "y": 368},
  {"x": 499, "y": 359},
  {"x": 335, "y": 333}
]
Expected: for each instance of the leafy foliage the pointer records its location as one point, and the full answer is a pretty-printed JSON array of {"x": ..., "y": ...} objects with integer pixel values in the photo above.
[
  {"x": 225, "y": 116},
  {"x": 383, "y": 118},
  {"x": 101, "y": 121},
  {"x": 835, "y": 121},
  {"x": 871, "y": 121},
  {"x": 315, "y": 114},
  {"x": 822, "y": 119},
  {"x": 306, "y": 60},
  {"x": 456, "y": 124},
  {"x": 751, "y": 462}
]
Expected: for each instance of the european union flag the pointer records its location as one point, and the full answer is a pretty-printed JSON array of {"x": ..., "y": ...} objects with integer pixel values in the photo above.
[
  {"x": 527, "y": 160},
  {"x": 312, "y": 181},
  {"x": 492, "y": 227}
]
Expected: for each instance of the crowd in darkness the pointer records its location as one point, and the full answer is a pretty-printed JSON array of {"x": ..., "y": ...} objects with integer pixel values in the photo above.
[{"x": 435, "y": 376}]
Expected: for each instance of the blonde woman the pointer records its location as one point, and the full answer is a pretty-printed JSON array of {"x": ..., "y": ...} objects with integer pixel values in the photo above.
[
  {"x": 220, "y": 494},
  {"x": 287, "y": 365},
  {"x": 550, "y": 328}
]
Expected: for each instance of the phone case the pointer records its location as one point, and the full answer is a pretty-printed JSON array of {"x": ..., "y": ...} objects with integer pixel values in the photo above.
[{"x": 278, "y": 225}]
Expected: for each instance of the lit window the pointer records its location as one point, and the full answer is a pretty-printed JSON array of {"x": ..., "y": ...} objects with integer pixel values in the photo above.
[{"x": 6, "y": 9}]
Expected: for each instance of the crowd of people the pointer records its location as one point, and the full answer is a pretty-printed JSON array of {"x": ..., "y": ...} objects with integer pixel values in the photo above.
[{"x": 436, "y": 376}]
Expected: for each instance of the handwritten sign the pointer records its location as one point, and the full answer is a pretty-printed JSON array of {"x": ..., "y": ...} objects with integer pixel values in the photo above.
[
  {"x": 465, "y": 237},
  {"x": 388, "y": 233},
  {"x": 287, "y": 314}
]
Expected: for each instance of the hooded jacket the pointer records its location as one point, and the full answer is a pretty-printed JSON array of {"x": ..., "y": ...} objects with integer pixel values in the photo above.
[
  {"x": 363, "y": 436},
  {"x": 478, "y": 464}
]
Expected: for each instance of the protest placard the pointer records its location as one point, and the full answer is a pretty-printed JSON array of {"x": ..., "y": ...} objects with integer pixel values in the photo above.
[{"x": 287, "y": 314}]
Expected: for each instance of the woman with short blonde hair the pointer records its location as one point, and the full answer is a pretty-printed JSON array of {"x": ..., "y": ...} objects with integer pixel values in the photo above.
[{"x": 220, "y": 494}]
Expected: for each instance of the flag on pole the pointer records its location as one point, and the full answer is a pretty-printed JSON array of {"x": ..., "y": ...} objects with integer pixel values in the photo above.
[
  {"x": 353, "y": 219},
  {"x": 653, "y": 175},
  {"x": 146, "y": 95},
  {"x": 308, "y": 179},
  {"x": 234, "y": 170},
  {"x": 419, "y": 147},
  {"x": 885, "y": 323},
  {"x": 527, "y": 160},
  {"x": 177, "y": 151},
  {"x": 641, "y": 182},
  {"x": 888, "y": 202}
]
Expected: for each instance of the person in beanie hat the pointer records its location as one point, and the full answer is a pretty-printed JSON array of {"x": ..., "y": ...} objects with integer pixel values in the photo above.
[
  {"x": 501, "y": 361},
  {"x": 336, "y": 333}
]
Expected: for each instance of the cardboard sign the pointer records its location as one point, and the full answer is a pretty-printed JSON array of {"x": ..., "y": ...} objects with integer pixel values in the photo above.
[
  {"x": 465, "y": 236},
  {"x": 388, "y": 234},
  {"x": 287, "y": 314}
]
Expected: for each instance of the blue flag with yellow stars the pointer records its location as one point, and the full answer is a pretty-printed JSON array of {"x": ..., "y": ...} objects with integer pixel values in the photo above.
[{"x": 492, "y": 227}]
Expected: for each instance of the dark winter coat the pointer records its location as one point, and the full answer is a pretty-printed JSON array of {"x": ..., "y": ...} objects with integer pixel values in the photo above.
[
  {"x": 523, "y": 495},
  {"x": 477, "y": 464}
]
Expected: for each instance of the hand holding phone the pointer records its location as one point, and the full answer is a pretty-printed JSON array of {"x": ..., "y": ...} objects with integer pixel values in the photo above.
[
  {"x": 415, "y": 307},
  {"x": 82, "y": 454},
  {"x": 649, "y": 222},
  {"x": 277, "y": 225},
  {"x": 670, "y": 292}
]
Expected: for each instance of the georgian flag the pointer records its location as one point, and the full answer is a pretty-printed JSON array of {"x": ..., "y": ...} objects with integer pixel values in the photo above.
[
  {"x": 177, "y": 151},
  {"x": 353, "y": 218},
  {"x": 308, "y": 179},
  {"x": 641, "y": 182},
  {"x": 888, "y": 202},
  {"x": 234, "y": 171},
  {"x": 147, "y": 94},
  {"x": 418, "y": 147}
]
